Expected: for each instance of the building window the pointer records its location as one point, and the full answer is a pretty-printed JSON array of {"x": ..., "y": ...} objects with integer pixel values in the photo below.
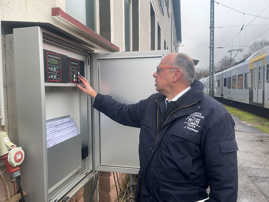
[
  {"x": 234, "y": 81},
  {"x": 240, "y": 81},
  {"x": 224, "y": 83},
  {"x": 164, "y": 45},
  {"x": 77, "y": 10},
  {"x": 159, "y": 37},
  {"x": 127, "y": 13},
  {"x": 105, "y": 24},
  {"x": 83, "y": 11},
  {"x": 90, "y": 14},
  {"x": 135, "y": 16},
  {"x": 152, "y": 26}
]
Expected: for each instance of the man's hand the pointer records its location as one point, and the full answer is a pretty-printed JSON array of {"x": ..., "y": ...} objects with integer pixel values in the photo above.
[{"x": 86, "y": 87}]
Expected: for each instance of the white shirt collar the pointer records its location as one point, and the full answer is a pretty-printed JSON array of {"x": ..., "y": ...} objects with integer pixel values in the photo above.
[{"x": 178, "y": 95}]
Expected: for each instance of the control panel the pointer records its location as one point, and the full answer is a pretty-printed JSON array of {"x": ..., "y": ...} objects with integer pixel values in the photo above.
[
  {"x": 53, "y": 67},
  {"x": 61, "y": 68},
  {"x": 75, "y": 67}
]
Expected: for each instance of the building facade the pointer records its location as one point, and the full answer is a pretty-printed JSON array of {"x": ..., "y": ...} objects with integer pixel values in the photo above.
[
  {"x": 79, "y": 29},
  {"x": 131, "y": 25}
]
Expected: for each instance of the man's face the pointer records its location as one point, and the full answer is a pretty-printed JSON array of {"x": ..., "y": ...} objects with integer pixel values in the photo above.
[
  {"x": 164, "y": 74},
  {"x": 164, "y": 77}
]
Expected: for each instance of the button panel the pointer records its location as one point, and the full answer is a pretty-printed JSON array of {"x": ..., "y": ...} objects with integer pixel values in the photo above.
[{"x": 61, "y": 68}]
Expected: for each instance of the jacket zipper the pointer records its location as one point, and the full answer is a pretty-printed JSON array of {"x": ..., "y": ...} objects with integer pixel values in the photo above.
[{"x": 157, "y": 126}]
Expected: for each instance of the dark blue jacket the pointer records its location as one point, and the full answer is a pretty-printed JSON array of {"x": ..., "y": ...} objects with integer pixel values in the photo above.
[{"x": 183, "y": 149}]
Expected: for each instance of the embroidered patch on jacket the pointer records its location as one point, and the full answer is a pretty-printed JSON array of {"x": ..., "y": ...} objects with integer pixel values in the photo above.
[{"x": 192, "y": 122}]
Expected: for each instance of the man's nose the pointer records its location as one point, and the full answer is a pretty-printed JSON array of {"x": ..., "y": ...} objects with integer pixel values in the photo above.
[{"x": 155, "y": 74}]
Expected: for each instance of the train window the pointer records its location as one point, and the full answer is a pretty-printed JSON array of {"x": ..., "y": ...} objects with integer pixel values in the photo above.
[
  {"x": 246, "y": 81},
  {"x": 229, "y": 83},
  {"x": 234, "y": 81},
  {"x": 267, "y": 73},
  {"x": 260, "y": 71},
  {"x": 224, "y": 82},
  {"x": 260, "y": 77},
  {"x": 254, "y": 78},
  {"x": 240, "y": 81}
]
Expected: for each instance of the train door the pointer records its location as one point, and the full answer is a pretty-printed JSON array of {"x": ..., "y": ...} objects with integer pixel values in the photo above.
[
  {"x": 229, "y": 86},
  {"x": 251, "y": 86},
  {"x": 266, "y": 87},
  {"x": 254, "y": 85},
  {"x": 257, "y": 84},
  {"x": 260, "y": 85},
  {"x": 221, "y": 85}
]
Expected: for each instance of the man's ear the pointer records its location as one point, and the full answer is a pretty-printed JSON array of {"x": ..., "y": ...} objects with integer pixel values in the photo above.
[{"x": 177, "y": 75}]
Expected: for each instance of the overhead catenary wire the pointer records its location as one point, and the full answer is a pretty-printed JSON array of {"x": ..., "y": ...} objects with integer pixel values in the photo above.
[
  {"x": 231, "y": 43},
  {"x": 245, "y": 25},
  {"x": 237, "y": 26},
  {"x": 252, "y": 20},
  {"x": 239, "y": 11}
]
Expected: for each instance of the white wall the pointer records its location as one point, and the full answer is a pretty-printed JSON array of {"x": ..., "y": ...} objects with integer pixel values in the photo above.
[
  {"x": 117, "y": 23},
  {"x": 144, "y": 25},
  {"x": 163, "y": 20},
  {"x": 29, "y": 10}
]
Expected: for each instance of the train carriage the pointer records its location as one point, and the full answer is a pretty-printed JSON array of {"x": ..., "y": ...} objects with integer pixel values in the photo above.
[{"x": 246, "y": 82}]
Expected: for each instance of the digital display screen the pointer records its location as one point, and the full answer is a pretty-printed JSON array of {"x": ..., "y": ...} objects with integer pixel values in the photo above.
[{"x": 54, "y": 68}]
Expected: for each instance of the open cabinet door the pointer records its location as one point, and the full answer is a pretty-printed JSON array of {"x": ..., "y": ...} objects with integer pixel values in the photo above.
[{"x": 127, "y": 77}]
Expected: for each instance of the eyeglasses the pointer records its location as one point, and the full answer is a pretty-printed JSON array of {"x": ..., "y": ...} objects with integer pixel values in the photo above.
[{"x": 159, "y": 69}]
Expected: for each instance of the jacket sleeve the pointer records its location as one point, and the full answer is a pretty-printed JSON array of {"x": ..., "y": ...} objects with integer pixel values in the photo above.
[
  {"x": 221, "y": 160},
  {"x": 129, "y": 115}
]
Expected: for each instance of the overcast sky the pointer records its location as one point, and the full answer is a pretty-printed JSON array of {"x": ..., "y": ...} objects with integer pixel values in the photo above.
[{"x": 195, "y": 18}]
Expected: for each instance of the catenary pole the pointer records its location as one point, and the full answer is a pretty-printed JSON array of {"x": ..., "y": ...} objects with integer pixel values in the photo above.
[{"x": 211, "y": 52}]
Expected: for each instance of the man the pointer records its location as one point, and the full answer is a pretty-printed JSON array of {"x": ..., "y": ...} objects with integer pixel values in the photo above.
[{"x": 187, "y": 141}]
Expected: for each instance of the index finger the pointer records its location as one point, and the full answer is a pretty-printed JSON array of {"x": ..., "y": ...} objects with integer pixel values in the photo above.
[{"x": 82, "y": 78}]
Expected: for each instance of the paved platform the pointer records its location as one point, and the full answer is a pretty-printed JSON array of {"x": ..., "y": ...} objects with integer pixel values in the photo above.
[{"x": 253, "y": 163}]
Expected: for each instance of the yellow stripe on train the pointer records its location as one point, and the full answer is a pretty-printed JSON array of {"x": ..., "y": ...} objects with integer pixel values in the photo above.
[{"x": 256, "y": 59}]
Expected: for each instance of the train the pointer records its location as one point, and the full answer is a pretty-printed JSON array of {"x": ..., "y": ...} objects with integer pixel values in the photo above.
[{"x": 246, "y": 82}]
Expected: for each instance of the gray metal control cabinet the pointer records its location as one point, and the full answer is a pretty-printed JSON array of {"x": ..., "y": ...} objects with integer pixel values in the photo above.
[
  {"x": 48, "y": 174},
  {"x": 127, "y": 77}
]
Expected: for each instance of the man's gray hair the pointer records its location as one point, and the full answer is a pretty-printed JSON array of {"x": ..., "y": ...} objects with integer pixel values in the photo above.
[{"x": 186, "y": 64}]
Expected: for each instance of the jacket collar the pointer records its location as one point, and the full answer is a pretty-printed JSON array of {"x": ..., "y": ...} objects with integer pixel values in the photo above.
[
  {"x": 184, "y": 104},
  {"x": 194, "y": 95}
]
